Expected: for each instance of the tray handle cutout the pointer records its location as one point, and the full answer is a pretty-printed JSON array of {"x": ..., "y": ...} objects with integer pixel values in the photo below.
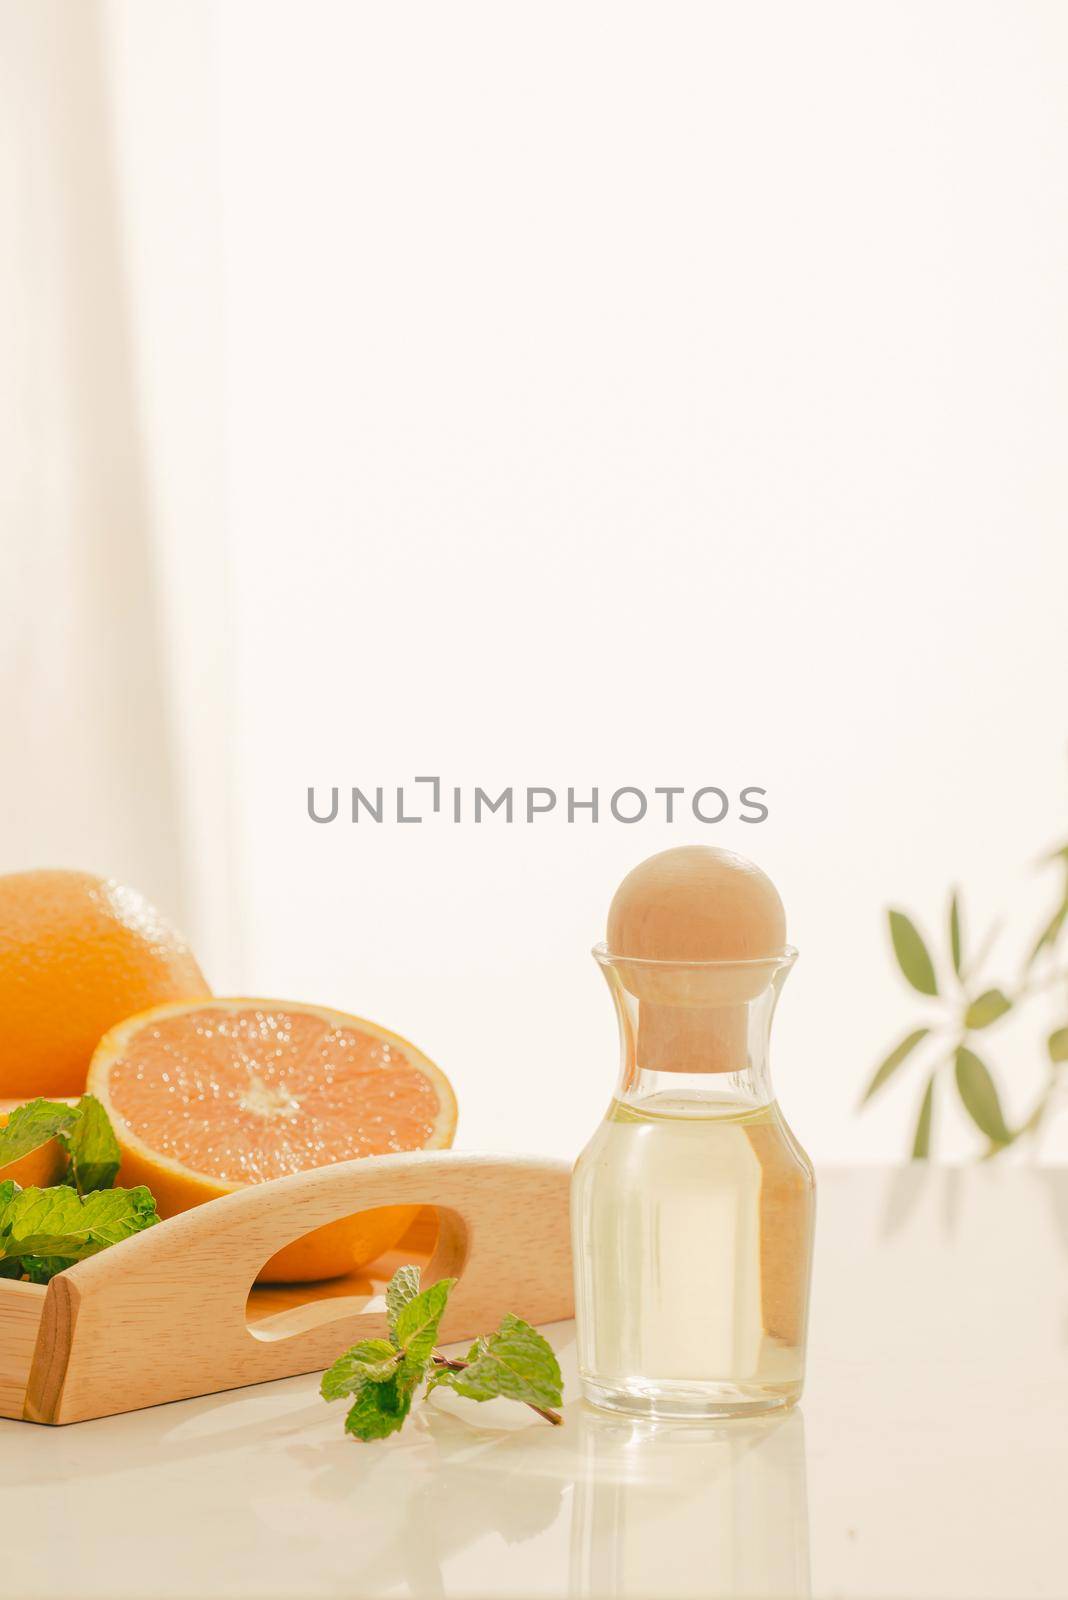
[{"x": 437, "y": 1244}]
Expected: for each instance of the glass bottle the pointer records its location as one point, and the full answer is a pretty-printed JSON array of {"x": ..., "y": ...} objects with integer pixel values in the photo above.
[{"x": 693, "y": 1204}]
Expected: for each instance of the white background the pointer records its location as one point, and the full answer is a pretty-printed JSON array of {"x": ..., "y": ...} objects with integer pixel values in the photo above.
[
  {"x": 588, "y": 395},
  {"x": 646, "y": 394}
]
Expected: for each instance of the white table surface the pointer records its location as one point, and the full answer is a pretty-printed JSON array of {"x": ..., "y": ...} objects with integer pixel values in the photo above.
[{"x": 929, "y": 1456}]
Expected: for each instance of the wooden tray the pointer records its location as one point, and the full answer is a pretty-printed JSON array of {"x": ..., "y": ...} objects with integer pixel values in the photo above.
[{"x": 173, "y": 1312}]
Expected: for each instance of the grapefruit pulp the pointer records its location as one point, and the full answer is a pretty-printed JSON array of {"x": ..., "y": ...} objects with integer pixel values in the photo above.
[{"x": 208, "y": 1097}]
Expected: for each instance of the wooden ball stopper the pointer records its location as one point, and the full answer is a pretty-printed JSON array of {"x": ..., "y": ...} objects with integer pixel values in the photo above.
[{"x": 691, "y": 905}]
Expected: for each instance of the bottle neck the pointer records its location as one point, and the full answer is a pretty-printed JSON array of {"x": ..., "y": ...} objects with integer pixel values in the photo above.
[
  {"x": 748, "y": 1088},
  {"x": 693, "y": 1054}
]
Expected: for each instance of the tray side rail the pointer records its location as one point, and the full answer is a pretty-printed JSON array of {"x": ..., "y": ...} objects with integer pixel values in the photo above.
[{"x": 163, "y": 1316}]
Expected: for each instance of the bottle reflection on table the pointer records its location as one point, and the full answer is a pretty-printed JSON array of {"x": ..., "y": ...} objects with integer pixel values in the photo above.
[{"x": 685, "y": 1508}]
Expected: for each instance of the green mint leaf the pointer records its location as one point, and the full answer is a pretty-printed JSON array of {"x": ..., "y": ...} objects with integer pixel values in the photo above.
[
  {"x": 515, "y": 1363},
  {"x": 416, "y": 1328},
  {"x": 403, "y": 1286},
  {"x": 10, "y": 1266},
  {"x": 897, "y": 1055},
  {"x": 987, "y": 1008},
  {"x": 92, "y": 1147},
  {"x": 42, "y": 1269},
  {"x": 9, "y": 1261},
  {"x": 60, "y": 1222},
  {"x": 381, "y": 1408},
  {"x": 32, "y": 1125},
  {"x": 979, "y": 1096},
  {"x": 921, "y": 1142},
  {"x": 911, "y": 953},
  {"x": 370, "y": 1361},
  {"x": 1057, "y": 1044}
]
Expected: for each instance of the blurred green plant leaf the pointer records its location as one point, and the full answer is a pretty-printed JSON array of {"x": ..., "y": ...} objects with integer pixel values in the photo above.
[
  {"x": 1034, "y": 1121},
  {"x": 979, "y": 1096},
  {"x": 1051, "y": 932},
  {"x": 921, "y": 1143},
  {"x": 1058, "y": 1046},
  {"x": 954, "y": 932},
  {"x": 898, "y": 1054},
  {"x": 976, "y": 1087},
  {"x": 987, "y": 1008},
  {"x": 911, "y": 953}
]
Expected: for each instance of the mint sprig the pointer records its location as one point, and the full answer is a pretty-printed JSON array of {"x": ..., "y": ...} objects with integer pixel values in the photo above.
[
  {"x": 32, "y": 1125},
  {"x": 370, "y": 1361},
  {"x": 44, "y": 1231},
  {"x": 60, "y": 1222},
  {"x": 92, "y": 1147},
  {"x": 515, "y": 1362},
  {"x": 84, "y": 1131},
  {"x": 47, "y": 1230},
  {"x": 414, "y": 1329},
  {"x": 381, "y": 1376},
  {"x": 403, "y": 1286}
]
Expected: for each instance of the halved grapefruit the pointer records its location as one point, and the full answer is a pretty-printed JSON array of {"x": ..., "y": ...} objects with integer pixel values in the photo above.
[{"x": 209, "y": 1096}]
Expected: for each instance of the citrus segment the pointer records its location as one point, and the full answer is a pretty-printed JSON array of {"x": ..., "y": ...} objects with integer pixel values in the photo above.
[{"x": 207, "y": 1098}]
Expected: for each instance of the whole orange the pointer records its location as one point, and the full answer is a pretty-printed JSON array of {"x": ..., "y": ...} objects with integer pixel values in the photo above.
[{"x": 77, "y": 955}]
